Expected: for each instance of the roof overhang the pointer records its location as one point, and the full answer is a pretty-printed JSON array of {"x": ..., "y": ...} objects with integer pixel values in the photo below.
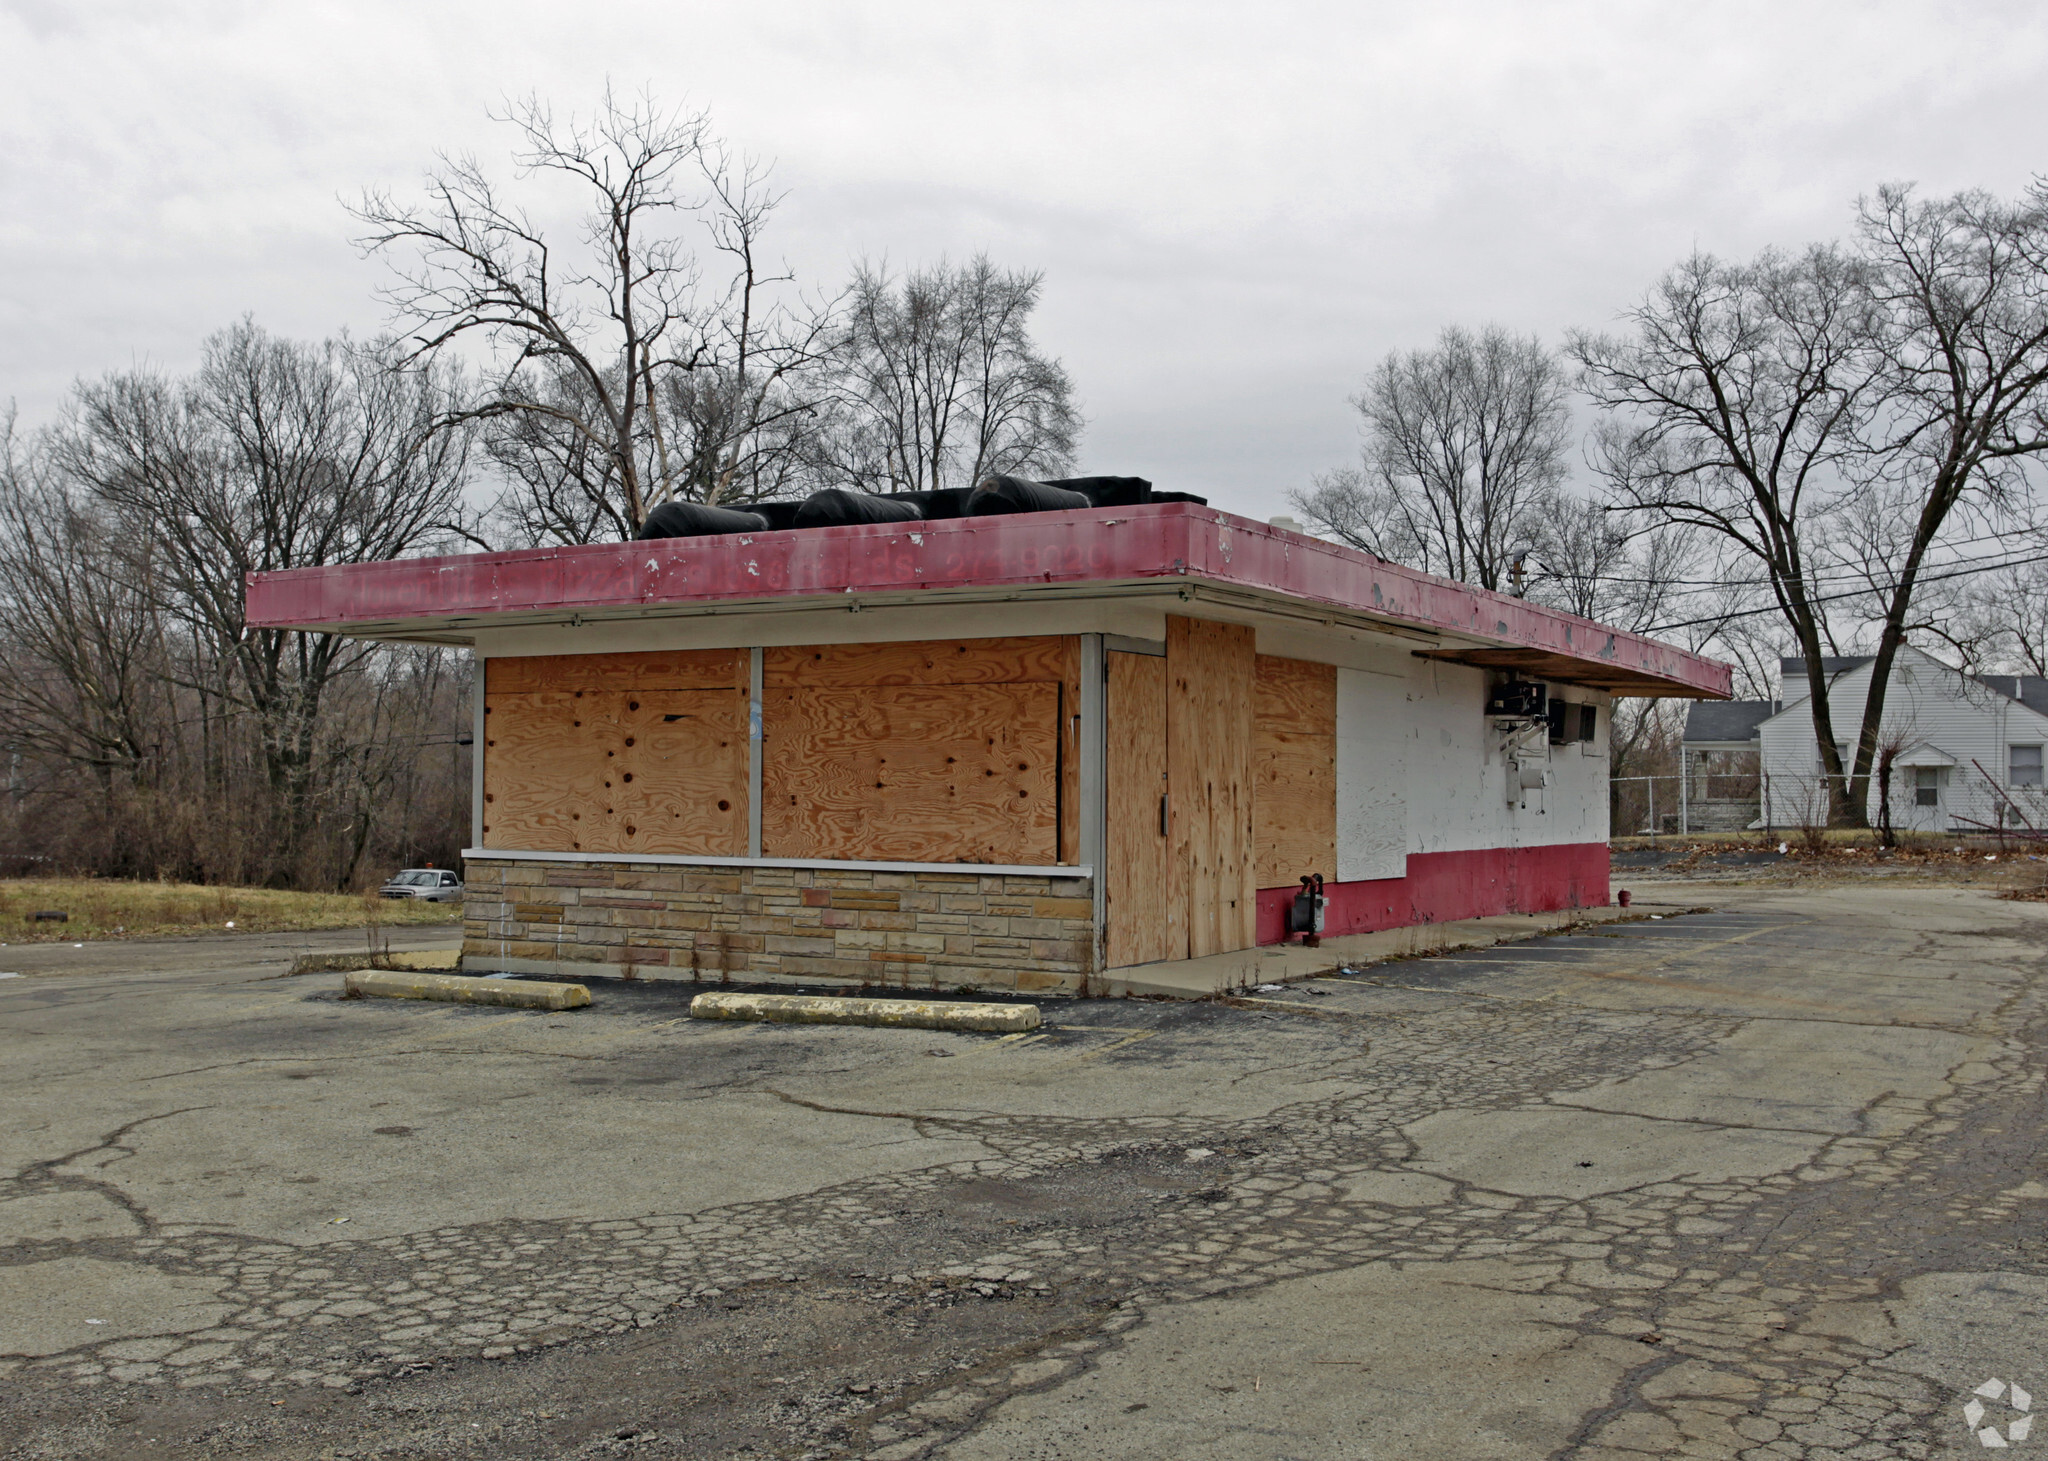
[
  {"x": 1198, "y": 552},
  {"x": 1922, "y": 754}
]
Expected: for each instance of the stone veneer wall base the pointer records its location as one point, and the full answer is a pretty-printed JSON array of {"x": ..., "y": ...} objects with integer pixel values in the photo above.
[{"x": 820, "y": 925}]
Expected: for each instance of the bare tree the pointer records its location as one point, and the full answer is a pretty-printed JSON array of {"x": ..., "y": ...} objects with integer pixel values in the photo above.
[
  {"x": 83, "y": 668},
  {"x": 564, "y": 482},
  {"x": 1583, "y": 560},
  {"x": 2000, "y": 621},
  {"x": 1754, "y": 643},
  {"x": 1464, "y": 453},
  {"x": 592, "y": 346},
  {"x": 1732, "y": 410},
  {"x": 1836, "y": 415},
  {"x": 274, "y": 455},
  {"x": 395, "y": 765},
  {"x": 1889, "y": 750},
  {"x": 746, "y": 411},
  {"x": 941, "y": 385},
  {"x": 1959, "y": 287}
]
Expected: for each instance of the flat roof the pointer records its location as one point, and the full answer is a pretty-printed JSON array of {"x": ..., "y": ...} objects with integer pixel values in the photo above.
[{"x": 1209, "y": 555}]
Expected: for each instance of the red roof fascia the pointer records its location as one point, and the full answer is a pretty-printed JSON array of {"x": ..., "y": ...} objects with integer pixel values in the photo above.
[
  {"x": 1168, "y": 541},
  {"x": 1323, "y": 572}
]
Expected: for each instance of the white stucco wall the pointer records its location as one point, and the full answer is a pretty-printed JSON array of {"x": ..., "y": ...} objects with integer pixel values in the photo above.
[
  {"x": 1415, "y": 752},
  {"x": 1457, "y": 767}
]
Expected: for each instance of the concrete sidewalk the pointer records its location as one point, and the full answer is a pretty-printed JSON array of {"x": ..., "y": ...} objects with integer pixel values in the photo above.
[{"x": 1215, "y": 974}]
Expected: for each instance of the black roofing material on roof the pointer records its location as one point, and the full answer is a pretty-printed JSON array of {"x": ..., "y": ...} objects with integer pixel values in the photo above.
[
  {"x": 1111, "y": 491},
  {"x": 1727, "y": 720},
  {"x": 841, "y": 506},
  {"x": 838, "y": 507},
  {"x": 939, "y": 504},
  {"x": 695, "y": 520},
  {"x": 2030, "y": 690},
  {"x": 1002, "y": 495}
]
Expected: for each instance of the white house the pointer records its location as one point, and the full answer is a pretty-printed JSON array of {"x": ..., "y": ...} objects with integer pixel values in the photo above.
[{"x": 1968, "y": 747}]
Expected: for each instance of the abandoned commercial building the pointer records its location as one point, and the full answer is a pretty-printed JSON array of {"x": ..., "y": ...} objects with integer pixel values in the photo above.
[{"x": 1014, "y": 752}]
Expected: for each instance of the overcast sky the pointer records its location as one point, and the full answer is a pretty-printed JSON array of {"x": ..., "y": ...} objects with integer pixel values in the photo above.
[{"x": 1238, "y": 208}]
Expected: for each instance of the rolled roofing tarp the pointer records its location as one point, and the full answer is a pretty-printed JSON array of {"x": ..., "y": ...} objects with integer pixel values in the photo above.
[
  {"x": 779, "y": 514},
  {"x": 694, "y": 520},
  {"x": 837, "y": 507},
  {"x": 943, "y": 503},
  {"x": 1021, "y": 494},
  {"x": 1107, "y": 491}
]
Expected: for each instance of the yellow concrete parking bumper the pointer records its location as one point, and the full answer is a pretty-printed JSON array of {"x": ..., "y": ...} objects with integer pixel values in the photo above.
[
  {"x": 529, "y": 994},
  {"x": 909, "y": 1014}
]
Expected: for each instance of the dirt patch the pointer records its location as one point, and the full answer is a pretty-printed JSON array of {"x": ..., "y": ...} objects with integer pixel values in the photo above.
[{"x": 1964, "y": 862}]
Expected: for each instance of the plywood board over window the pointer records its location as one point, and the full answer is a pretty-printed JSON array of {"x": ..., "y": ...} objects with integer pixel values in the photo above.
[
  {"x": 617, "y": 753},
  {"x": 1070, "y": 749},
  {"x": 1146, "y": 918},
  {"x": 937, "y": 751},
  {"x": 920, "y": 662},
  {"x": 677, "y": 669},
  {"x": 1294, "y": 769},
  {"x": 1210, "y": 678}
]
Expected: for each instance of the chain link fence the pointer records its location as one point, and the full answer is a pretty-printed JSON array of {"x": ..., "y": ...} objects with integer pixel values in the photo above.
[{"x": 1678, "y": 806}]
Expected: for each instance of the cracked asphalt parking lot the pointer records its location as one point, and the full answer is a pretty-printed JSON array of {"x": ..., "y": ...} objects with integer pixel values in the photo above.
[{"x": 1763, "y": 1181}]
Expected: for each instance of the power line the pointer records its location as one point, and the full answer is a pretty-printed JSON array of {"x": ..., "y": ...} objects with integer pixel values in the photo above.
[
  {"x": 1816, "y": 578},
  {"x": 1813, "y": 578},
  {"x": 1832, "y": 598}
]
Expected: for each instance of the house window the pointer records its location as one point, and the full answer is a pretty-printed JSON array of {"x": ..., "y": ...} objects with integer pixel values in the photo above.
[
  {"x": 2023, "y": 765},
  {"x": 1926, "y": 786}
]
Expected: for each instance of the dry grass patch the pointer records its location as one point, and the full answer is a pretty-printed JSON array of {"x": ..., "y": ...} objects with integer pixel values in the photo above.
[{"x": 104, "y": 909}]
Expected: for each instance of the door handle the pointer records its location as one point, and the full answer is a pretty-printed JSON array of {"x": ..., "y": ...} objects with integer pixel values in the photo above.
[{"x": 1162, "y": 814}]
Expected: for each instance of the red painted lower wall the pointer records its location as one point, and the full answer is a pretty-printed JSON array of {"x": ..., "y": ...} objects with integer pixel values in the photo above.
[{"x": 1444, "y": 886}]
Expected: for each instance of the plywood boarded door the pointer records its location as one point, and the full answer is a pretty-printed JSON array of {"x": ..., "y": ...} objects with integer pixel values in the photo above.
[
  {"x": 1209, "y": 733},
  {"x": 1146, "y": 914}
]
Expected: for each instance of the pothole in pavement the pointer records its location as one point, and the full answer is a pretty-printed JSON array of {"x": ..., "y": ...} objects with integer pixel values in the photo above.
[{"x": 1109, "y": 1193}]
